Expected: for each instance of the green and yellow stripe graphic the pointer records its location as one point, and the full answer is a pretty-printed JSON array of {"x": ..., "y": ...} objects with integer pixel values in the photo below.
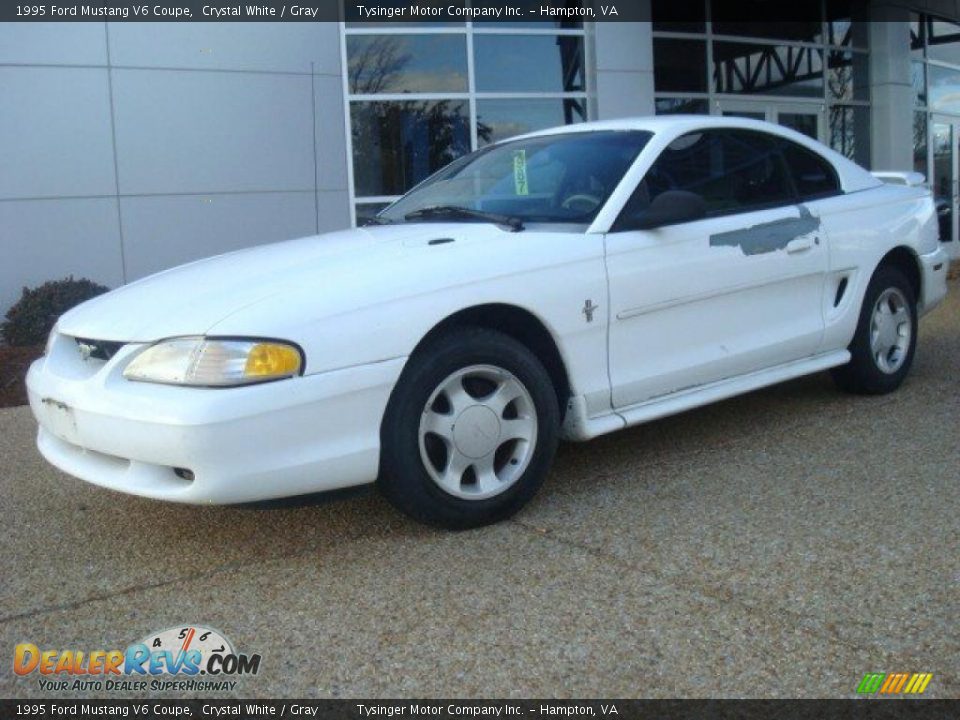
[{"x": 894, "y": 683}]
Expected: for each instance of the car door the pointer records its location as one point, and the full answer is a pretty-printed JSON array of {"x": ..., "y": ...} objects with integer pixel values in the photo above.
[{"x": 732, "y": 293}]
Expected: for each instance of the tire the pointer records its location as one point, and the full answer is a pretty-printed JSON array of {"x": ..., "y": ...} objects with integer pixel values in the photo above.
[
  {"x": 882, "y": 349},
  {"x": 447, "y": 459}
]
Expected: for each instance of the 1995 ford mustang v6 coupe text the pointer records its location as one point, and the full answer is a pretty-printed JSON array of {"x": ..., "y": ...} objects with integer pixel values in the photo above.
[{"x": 566, "y": 283}]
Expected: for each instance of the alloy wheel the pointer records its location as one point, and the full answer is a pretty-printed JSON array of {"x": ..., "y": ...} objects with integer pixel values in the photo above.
[
  {"x": 478, "y": 432},
  {"x": 891, "y": 328}
]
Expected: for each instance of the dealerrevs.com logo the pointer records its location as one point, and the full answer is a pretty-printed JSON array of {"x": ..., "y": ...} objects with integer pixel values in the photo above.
[{"x": 186, "y": 658}]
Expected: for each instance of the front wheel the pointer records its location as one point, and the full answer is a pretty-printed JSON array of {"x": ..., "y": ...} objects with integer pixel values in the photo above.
[
  {"x": 882, "y": 349},
  {"x": 470, "y": 430}
]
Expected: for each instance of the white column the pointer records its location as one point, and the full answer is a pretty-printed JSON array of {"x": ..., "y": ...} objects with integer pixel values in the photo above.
[
  {"x": 891, "y": 92},
  {"x": 623, "y": 55}
]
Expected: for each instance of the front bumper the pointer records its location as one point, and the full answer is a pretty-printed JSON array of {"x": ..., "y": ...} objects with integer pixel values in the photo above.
[
  {"x": 306, "y": 434},
  {"x": 934, "y": 267}
]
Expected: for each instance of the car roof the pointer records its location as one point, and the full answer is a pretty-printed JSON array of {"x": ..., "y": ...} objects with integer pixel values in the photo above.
[
  {"x": 654, "y": 123},
  {"x": 677, "y": 124}
]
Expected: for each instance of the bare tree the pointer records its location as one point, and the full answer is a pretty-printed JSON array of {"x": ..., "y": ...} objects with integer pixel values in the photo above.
[
  {"x": 376, "y": 66},
  {"x": 384, "y": 136}
]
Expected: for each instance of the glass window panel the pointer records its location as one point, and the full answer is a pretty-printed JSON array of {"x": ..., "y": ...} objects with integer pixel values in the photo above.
[
  {"x": 813, "y": 177},
  {"x": 365, "y": 211},
  {"x": 679, "y": 65},
  {"x": 805, "y": 123},
  {"x": 753, "y": 69},
  {"x": 566, "y": 177},
  {"x": 839, "y": 32},
  {"x": 943, "y": 88},
  {"x": 679, "y": 15},
  {"x": 920, "y": 143},
  {"x": 528, "y": 63},
  {"x": 860, "y": 27},
  {"x": 685, "y": 106},
  {"x": 917, "y": 36},
  {"x": 942, "y": 181},
  {"x": 763, "y": 19},
  {"x": 531, "y": 10},
  {"x": 749, "y": 114},
  {"x": 919, "y": 80},
  {"x": 398, "y": 144},
  {"x": 943, "y": 41},
  {"x": 501, "y": 119},
  {"x": 810, "y": 32},
  {"x": 847, "y": 22},
  {"x": 407, "y": 63},
  {"x": 732, "y": 170},
  {"x": 850, "y": 133},
  {"x": 847, "y": 76}
]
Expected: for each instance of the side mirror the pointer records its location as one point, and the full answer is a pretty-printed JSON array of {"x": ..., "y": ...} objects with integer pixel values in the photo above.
[{"x": 668, "y": 208}]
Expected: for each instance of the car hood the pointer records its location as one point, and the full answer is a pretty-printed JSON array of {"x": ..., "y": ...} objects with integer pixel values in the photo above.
[{"x": 192, "y": 299}]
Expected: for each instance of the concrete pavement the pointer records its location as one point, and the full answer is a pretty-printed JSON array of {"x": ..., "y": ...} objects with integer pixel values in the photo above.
[{"x": 779, "y": 544}]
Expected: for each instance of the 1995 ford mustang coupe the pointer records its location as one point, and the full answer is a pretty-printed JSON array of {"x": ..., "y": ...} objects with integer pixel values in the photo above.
[{"x": 566, "y": 283}]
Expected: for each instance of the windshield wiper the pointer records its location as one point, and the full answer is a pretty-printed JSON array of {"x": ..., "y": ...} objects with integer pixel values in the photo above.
[
  {"x": 375, "y": 220},
  {"x": 454, "y": 211}
]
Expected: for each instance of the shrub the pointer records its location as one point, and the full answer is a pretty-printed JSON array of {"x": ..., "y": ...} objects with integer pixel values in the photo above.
[{"x": 33, "y": 316}]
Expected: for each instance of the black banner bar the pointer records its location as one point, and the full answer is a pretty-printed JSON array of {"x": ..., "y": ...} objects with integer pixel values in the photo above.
[
  {"x": 859, "y": 709},
  {"x": 554, "y": 12}
]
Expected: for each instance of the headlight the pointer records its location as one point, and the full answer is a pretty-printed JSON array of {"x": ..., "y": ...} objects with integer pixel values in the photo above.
[{"x": 210, "y": 361}]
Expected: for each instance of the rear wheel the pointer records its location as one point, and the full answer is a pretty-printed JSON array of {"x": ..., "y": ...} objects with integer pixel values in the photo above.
[
  {"x": 470, "y": 430},
  {"x": 882, "y": 349}
]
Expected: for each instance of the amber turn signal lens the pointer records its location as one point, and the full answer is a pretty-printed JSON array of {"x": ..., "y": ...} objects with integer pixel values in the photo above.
[{"x": 272, "y": 360}]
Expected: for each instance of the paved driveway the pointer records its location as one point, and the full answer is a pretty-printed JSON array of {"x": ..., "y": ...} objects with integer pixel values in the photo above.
[{"x": 779, "y": 544}]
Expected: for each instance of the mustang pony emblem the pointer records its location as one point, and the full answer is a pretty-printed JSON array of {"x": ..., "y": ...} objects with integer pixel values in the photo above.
[{"x": 588, "y": 309}]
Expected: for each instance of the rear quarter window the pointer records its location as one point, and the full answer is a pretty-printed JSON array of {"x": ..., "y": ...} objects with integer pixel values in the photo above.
[{"x": 813, "y": 176}]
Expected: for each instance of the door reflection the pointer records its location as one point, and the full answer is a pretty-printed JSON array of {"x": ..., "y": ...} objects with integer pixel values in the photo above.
[{"x": 943, "y": 182}]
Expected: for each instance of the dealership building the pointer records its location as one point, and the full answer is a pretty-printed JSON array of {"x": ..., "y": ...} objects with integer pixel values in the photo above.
[{"x": 127, "y": 148}]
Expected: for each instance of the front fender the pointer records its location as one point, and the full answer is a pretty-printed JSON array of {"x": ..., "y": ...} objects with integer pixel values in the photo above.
[{"x": 385, "y": 311}]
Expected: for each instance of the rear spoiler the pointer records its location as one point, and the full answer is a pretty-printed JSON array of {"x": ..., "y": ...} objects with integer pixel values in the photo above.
[{"x": 891, "y": 177}]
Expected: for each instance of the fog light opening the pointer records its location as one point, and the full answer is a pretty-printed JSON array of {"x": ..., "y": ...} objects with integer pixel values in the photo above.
[{"x": 184, "y": 474}]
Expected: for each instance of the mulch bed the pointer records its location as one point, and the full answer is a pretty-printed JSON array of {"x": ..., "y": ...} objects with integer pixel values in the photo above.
[{"x": 14, "y": 362}]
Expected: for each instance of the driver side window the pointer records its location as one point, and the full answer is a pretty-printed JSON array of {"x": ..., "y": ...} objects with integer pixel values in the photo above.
[{"x": 732, "y": 170}]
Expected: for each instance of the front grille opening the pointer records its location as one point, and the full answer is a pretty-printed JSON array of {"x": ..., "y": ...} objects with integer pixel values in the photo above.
[
  {"x": 97, "y": 349},
  {"x": 184, "y": 474}
]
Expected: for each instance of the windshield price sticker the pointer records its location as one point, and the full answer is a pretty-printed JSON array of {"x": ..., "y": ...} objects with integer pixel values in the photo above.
[{"x": 520, "y": 172}]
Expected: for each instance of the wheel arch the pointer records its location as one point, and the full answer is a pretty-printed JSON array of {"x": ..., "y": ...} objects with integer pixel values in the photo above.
[
  {"x": 906, "y": 260},
  {"x": 520, "y": 324}
]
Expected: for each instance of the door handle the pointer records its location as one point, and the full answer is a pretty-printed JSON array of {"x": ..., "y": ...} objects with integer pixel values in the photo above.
[{"x": 800, "y": 244}]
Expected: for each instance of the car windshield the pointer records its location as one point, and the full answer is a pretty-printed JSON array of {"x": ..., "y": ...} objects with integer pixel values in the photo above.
[{"x": 564, "y": 178}]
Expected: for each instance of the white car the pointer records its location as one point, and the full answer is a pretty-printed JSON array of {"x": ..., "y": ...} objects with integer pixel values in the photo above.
[{"x": 567, "y": 283}]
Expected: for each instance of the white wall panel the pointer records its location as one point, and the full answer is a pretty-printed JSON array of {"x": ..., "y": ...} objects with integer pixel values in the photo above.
[
  {"x": 333, "y": 210},
  {"x": 189, "y": 132},
  {"x": 55, "y": 132},
  {"x": 624, "y": 94},
  {"x": 331, "y": 133},
  {"x": 624, "y": 46},
  {"x": 161, "y": 232},
  {"x": 53, "y": 43},
  {"x": 44, "y": 240},
  {"x": 272, "y": 47}
]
